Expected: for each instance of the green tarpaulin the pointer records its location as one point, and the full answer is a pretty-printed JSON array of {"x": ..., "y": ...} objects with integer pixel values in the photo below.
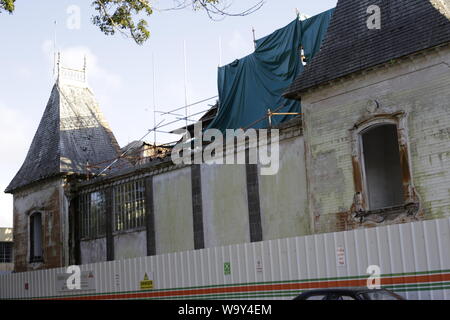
[{"x": 250, "y": 86}]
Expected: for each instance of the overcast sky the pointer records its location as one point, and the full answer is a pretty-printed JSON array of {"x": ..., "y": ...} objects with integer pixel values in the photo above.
[{"x": 119, "y": 71}]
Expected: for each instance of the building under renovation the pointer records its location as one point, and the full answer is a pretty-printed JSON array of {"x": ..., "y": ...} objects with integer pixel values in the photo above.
[{"x": 370, "y": 147}]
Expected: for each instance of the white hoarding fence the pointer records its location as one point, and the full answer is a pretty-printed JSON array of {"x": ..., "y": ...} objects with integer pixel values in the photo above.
[{"x": 411, "y": 259}]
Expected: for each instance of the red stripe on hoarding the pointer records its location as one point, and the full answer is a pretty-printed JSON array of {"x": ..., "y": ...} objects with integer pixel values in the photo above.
[{"x": 268, "y": 287}]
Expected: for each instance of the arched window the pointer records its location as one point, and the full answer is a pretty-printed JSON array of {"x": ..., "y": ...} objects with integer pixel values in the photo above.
[
  {"x": 36, "y": 237},
  {"x": 382, "y": 173},
  {"x": 381, "y": 166}
]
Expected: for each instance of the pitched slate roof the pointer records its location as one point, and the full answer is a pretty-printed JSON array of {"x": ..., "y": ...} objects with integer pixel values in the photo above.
[
  {"x": 407, "y": 26},
  {"x": 72, "y": 133}
]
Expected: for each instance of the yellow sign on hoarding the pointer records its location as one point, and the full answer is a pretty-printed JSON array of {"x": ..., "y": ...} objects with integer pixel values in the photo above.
[{"x": 146, "y": 283}]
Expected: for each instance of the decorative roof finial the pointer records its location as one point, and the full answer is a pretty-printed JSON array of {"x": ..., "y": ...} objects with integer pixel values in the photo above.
[
  {"x": 76, "y": 77},
  {"x": 58, "y": 65}
]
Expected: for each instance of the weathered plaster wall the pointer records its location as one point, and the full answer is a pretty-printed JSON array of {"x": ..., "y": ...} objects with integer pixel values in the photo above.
[
  {"x": 6, "y": 267},
  {"x": 224, "y": 204},
  {"x": 44, "y": 198},
  {"x": 172, "y": 192},
  {"x": 93, "y": 250},
  {"x": 283, "y": 197},
  {"x": 420, "y": 86},
  {"x": 130, "y": 245},
  {"x": 225, "y": 208}
]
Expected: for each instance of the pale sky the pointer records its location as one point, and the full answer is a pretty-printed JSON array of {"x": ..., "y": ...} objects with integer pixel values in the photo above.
[{"x": 119, "y": 71}]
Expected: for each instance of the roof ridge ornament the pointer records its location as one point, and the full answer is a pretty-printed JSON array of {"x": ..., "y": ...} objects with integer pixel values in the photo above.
[
  {"x": 71, "y": 76},
  {"x": 372, "y": 106}
]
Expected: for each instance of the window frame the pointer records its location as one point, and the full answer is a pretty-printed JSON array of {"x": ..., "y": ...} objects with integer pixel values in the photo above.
[
  {"x": 380, "y": 117},
  {"x": 32, "y": 257},
  {"x": 92, "y": 208},
  {"x": 361, "y": 132},
  {"x": 129, "y": 206},
  {"x": 4, "y": 252}
]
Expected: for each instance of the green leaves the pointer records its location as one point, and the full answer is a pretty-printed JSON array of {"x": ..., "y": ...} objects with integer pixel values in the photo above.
[
  {"x": 198, "y": 4},
  {"x": 129, "y": 17},
  {"x": 121, "y": 16},
  {"x": 7, "y": 5}
]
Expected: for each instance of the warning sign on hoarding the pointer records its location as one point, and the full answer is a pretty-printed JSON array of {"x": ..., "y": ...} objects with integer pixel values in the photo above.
[
  {"x": 146, "y": 283},
  {"x": 259, "y": 266},
  {"x": 340, "y": 256}
]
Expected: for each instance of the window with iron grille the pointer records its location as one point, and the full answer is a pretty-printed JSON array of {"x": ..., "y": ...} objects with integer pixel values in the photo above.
[
  {"x": 129, "y": 205},
  {"x": 92, "y": 208},
  {"x": 6, "y": 252}
]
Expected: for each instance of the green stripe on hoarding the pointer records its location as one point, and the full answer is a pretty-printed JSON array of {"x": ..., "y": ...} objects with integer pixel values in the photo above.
[
  {"x": 250, "y": 284},
  {"x": 263, "y": 294},
  {"x": 400, "y": 286}
]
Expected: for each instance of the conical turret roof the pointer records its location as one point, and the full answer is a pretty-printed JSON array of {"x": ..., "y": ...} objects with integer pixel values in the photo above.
[{"x": 72, "y": 134}]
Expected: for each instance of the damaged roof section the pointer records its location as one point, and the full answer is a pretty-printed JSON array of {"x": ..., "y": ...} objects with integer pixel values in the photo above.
[
  {"x": 350, "y": 46},
  {"x": 72, "y": 134},
  {"x": 140, "y": 152}
]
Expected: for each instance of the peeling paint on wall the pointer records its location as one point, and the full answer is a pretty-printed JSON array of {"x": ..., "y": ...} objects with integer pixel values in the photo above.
[
  {"x": 93, "y": 251},
  {"x": 44, "y": 198},
  {"x": 225, "y": 208},
  {"x": 130, "y": 245},
  {"x": 420, "y": 88},
  {"x": 284, "y": 201},
  {"x": 172, "y": 192}
]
